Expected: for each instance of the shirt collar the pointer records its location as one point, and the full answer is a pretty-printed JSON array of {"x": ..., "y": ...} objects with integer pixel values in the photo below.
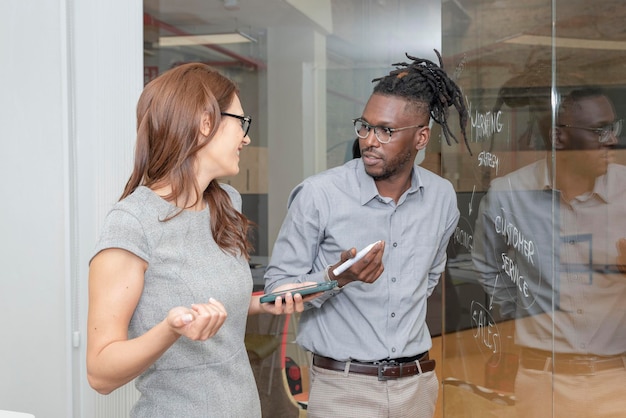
[
  {"x": 601, "y": 187},
  {"x": 543, "y": 174},
  {"x": 368, "y": 185}
]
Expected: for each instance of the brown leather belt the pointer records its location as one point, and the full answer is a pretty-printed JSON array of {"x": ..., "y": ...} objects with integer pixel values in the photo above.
[
  {"x": 574, "y": 364},
  {"x": 384, "y": 369}
]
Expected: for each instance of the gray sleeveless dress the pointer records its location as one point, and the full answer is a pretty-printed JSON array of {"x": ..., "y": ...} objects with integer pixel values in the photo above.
[{"x": 212, "y": 378}]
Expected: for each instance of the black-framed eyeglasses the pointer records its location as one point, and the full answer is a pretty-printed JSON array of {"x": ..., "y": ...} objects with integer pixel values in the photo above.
[
  {"x": 604, "y": 132},
  {"x": 246, "y": 121},
  {"x": 382, "y": 133}
]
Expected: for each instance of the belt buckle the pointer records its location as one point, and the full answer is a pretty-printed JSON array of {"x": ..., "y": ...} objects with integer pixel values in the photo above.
[
  {"x": 593, "y": 367},
  {"x": 584, "y": 365},
  {"x": 581, "y": 367},
  {"x": 382, "y": 366}
]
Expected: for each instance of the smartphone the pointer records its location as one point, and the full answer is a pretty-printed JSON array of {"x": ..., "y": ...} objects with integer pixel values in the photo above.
[{"x": 304, "y": 290}]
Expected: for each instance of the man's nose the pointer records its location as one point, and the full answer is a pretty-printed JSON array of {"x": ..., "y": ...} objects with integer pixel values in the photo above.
[
  {"x": 612, "y": 140},
  {"x": 371, "y": 140}
]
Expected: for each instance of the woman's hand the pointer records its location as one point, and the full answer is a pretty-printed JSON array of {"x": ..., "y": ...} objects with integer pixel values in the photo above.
[
  {"x": 200, "y": 322},
  {"x": 116, "y": 279},
  {"x": 286, "y": 304}
]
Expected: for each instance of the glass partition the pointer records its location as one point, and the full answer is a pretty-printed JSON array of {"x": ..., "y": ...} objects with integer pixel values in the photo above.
[
  {"x": 534, "y": 265},
  {"x": 305, "y": 70},
  {"x": 529, "y": 318}
]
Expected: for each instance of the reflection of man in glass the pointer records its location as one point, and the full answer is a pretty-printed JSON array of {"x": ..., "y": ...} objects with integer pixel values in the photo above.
[{"x": 550, "y": 249}]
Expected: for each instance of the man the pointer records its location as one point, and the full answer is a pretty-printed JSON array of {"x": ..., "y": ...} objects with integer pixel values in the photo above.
[
  {"x": 369, "y": 336},
  {"x": 549, "y": 246}
]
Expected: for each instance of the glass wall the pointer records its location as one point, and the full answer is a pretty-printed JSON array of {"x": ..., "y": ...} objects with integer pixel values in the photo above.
[
  {"x": 530, "y": 316},
  {"x": 305, "y": 71},
  {"x": 539, "y": 328}
]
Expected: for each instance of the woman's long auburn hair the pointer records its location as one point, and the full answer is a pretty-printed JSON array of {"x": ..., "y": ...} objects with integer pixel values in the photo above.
[{"x": 169, "y": 114}]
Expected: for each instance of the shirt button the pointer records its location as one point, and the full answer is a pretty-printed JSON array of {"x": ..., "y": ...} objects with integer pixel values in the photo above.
[
  {"x": 393, "y": 279},
  {"x": 393, "y": 314},
  {"x": 395, "y": 244},
  {"x": 393, "y": 350}
]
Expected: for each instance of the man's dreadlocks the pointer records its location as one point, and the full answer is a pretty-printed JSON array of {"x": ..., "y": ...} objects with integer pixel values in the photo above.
[{"x": 423, "y": 81}]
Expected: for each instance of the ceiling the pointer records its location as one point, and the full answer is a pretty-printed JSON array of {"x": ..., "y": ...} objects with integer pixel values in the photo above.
[
  {"x": 505, "y": 38},
  {"x": 357, "y": 31},
  {"x": 497, "y": 39}
]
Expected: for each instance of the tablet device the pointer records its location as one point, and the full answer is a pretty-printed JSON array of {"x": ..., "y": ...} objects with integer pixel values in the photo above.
[{"x": 304, "y": 290}]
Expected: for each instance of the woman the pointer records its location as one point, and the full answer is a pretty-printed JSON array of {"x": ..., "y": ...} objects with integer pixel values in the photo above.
[{"x": 170, "y": 285}]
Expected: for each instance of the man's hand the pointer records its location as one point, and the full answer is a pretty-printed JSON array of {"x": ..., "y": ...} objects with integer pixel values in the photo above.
[{"x": 366, "y": 270}]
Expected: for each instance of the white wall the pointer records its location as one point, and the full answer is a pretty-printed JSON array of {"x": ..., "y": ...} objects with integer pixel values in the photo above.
[
  {"x": 296, "y": 87},
  {"x": 71, "y": 75}
]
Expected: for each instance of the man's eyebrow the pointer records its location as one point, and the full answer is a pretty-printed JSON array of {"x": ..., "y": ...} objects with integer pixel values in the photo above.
[{"x": 381, "y": 124}]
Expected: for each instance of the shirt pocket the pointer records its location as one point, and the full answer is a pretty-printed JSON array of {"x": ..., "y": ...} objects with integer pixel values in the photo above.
[{"x": 422, "y": 254}]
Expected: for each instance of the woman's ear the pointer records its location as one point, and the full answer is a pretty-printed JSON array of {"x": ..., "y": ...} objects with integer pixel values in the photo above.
[
  {"x": 422, "y": 136},
  {"x": 205, "y": 124}
]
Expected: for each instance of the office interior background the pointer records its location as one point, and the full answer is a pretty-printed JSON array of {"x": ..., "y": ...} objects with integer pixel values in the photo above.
[{"x": 73, "y": 70}]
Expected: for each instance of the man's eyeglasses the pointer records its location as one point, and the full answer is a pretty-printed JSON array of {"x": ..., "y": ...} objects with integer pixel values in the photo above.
[
  {"x": 246, "y": 121},
  {"x": 604, "y": 132},
  {"x": 382, "y": 133}
]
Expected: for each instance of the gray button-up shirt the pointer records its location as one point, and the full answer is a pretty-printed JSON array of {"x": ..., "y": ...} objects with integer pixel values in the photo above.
[
  {"x": 339, "y": 209},
  {"x": 551, "y": 264}
]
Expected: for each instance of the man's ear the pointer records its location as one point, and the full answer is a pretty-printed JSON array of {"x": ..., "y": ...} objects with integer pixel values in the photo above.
[
  {"x": 205, "y": 124},
  {"x": 422, "y": 136},
  {"x": 557, "y": 137}
]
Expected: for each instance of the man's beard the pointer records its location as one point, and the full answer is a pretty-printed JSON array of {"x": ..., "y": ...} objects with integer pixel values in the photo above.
[{"x": 392, "y": 167}]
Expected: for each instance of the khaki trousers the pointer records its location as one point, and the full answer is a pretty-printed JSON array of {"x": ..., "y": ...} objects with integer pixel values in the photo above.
[
  {"x": 349, "y": 395},
  {"x": 542, "y": 394}
]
